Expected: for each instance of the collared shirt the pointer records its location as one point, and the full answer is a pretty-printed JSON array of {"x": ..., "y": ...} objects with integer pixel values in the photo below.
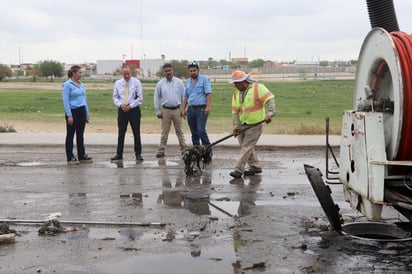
[
  {"x": 168, "y": 93},
  {"x": 135, "y": 92},
  {"x": 74, "y": 96},
  {"x": 196, "y": 92}
]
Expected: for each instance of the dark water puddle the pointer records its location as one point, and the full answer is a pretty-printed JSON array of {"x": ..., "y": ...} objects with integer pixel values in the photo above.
[
  {"x": 145, "y": 164},
  {"x": 213, "y": 259}
]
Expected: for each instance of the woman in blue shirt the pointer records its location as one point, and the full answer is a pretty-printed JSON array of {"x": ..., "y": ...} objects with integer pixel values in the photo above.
[{"x": 77, "y": 115}]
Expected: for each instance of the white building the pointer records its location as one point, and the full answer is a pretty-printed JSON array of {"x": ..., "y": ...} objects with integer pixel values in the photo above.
[
  {"x": 149, "y": 67},
  {"x": 108, "y": 66}
]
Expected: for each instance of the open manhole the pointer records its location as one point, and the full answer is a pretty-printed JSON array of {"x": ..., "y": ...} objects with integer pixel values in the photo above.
[
  {"x": 377, "y": 231},
  {"x": 362, "y": 230}
]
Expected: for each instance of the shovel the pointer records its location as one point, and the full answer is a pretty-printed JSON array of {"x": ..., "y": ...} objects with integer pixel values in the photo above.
[
  {"x": 192, "y": 157},
  {"x": 230, "y": 135}
]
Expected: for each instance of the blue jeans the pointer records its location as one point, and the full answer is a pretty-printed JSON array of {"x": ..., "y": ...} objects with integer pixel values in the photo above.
[{"x": 197, "y": 119}]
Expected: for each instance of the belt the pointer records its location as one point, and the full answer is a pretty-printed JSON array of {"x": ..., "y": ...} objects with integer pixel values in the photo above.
[
  {"x": 172, "y": 108},
  {"x": 197, "y": 106}
]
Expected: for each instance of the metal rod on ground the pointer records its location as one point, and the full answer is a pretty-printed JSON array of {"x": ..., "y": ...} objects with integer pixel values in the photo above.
[
  {"x": 220, "y": 209},
  {"x": 84, "y": 223}
]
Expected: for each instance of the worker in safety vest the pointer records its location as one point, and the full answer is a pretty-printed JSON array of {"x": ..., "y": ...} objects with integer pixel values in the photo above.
[{"x": 252, "y": 103}]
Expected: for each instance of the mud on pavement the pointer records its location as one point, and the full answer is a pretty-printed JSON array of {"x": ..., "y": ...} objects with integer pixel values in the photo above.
[{"x": 270, "y": 223}]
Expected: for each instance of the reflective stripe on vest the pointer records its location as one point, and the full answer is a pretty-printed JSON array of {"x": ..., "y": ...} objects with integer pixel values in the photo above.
[{"x": 252, "y": 110}]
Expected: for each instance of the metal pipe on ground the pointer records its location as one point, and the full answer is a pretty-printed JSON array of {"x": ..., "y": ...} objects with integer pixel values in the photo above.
[{"x": 40, "y": 222}]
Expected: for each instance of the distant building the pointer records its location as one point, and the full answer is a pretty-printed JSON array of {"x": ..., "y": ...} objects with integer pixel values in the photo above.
[
  {"x": 271, "y": 64},
  {"x": 87, "y": 68},
  {"x": 242, "y": 61},
  {"x": 149, "y": 67},
  {"x": 307, "y": 64},
  {"x": 135, "y": 63},
  {"x": 108, "y": 66}
]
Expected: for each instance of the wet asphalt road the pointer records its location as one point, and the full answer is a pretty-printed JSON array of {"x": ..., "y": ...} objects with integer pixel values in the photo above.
[{"x": 270, "y": 223}]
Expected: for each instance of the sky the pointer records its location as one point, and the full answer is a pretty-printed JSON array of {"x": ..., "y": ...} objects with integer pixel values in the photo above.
[{"x": 278, "y": 30}]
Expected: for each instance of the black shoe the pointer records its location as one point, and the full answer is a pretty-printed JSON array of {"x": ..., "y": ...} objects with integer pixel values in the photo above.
[
  {"x": 73, "y": 161},
  {"x": 86, "y": 159},
  {"x": 253, "y": 171},
  {"x": 236, "y": 174},
  {"x": 139, "y": 159},
  {"x": 116, "y": 157}
]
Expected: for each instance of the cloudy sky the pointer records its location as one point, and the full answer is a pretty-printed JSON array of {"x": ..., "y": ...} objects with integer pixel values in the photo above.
[{"x": 278, "y": 30}]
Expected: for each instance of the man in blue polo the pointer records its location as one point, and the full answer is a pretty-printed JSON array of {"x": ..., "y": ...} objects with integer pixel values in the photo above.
[{"x": 196, "y": 104}]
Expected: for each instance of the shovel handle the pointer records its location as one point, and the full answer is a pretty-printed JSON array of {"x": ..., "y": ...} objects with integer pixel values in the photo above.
[{"x": 230, "y": 135}]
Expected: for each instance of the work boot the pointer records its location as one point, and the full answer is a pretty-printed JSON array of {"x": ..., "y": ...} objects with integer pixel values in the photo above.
[
  {"x": 252, "y": 171},
  {"x": 160, "y": 155},
  {"x": 236, "y": 174}
]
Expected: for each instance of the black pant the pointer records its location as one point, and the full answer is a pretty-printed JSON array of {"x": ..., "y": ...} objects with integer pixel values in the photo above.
[
  {"x": 79, "y": 123},
  {"x": 123, "y": 118}
]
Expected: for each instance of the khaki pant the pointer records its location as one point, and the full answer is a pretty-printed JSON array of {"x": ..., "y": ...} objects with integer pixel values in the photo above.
[
  {"x": 248, "y": 140},
  {"x": 169, "y": 116}
]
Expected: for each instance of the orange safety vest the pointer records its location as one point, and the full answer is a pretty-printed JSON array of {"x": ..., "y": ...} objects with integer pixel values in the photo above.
[{"x": 252, "y": 110}]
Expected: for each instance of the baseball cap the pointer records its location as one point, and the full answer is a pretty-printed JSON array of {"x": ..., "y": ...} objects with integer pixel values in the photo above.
[{"x": 193, "y": 64}]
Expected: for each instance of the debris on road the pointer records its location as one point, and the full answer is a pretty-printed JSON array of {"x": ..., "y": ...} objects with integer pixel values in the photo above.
[
  {"x": 51, "y": 227},
  {"x": 7, "y": 238}
]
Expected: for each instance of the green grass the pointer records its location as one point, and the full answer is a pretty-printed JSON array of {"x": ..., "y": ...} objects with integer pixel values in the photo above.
[{"x": 301, "y": 107}]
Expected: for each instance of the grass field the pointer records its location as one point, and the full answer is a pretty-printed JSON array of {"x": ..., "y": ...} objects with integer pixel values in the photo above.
[{"x": 301, "y": 107}]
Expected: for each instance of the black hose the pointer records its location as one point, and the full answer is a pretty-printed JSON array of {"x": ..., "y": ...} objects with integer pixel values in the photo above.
[{"x": 382, "y": 14}]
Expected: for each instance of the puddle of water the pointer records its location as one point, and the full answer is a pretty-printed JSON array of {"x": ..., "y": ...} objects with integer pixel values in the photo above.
[
  {"x": 160, "y": 163},
  {"x": 132, "y": 164},
  {"x": 287, "y": 202},
  {"x": 102, "y": 233},
  {"x": 211, "y": 259},
  {"x": 222, "y": 209}
]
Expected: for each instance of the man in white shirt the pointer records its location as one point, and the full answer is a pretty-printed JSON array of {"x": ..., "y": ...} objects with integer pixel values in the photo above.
[
  {"x": 167, "y": 100},
  {"x": 128, "y": 96}
]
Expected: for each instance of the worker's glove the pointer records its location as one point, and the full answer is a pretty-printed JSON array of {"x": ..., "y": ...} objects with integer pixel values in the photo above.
[
  {"x": 268, "y": 119},
  {"x": 236, "y": 130}
]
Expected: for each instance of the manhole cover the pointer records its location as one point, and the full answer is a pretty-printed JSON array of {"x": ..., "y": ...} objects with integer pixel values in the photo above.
[{"x": 377, "y": 231}]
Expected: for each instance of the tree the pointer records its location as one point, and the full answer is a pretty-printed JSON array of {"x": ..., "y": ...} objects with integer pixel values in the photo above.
[
  {"x": 5, "y": 71},
  {"x": 235, "y": 65},
  {"x": 211, "y": 63},
  {"x": 51, "y": 69},
  {"x": 258, "y": 63},
  {"x": 324, "y": 63},
  {"x": 223, "y": 62},
  {"x": 34, "y": 71},
  {"x": 179, "y": 69}
]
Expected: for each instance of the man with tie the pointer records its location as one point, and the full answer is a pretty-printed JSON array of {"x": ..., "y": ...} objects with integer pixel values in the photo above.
[{"x": 128, "y": 96}]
